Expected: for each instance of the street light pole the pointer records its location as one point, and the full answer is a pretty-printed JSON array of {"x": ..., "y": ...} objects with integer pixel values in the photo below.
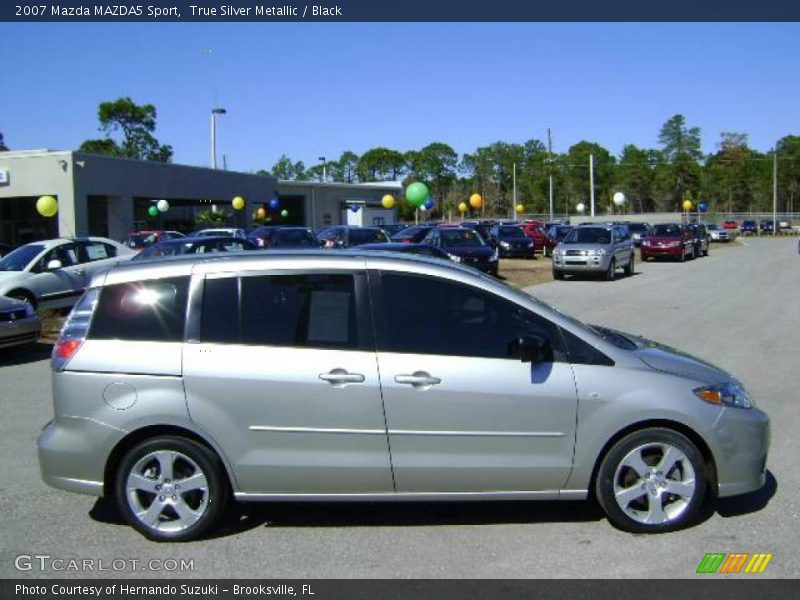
[
  {"x": 324, "y": 169},
  {"x": 214, "y": 113}
]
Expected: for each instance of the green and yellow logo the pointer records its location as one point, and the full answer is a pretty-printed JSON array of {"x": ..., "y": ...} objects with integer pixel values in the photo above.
[{"x": 735, "y": 562}]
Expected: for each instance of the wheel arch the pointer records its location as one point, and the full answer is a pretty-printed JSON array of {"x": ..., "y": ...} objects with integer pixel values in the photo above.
[
  {"x": 676, "y": 426},
  {"x": 29, "y": 295},
  {"x": 148, "y": 432}
]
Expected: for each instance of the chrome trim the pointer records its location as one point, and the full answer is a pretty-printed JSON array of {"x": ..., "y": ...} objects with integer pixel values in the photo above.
[
  {"x": 315, "y": 430},
  {"x": 547, "y": 434},
  {"x": 400, "y": 496}
]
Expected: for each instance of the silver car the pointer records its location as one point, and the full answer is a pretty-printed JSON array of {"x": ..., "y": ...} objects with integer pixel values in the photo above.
[
  {"x": 54, "y": 273},
  {"x": 19, "y": 323},
  {"x": 182, "y": 384},
  {"x": 594, "y": 249},
  {"x": 718, "y": 234}
]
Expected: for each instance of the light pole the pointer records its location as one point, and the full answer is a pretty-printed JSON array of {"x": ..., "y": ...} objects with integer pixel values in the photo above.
[
  {"x": 214, "y": 113},
  {"x": 324, "y": 171}
]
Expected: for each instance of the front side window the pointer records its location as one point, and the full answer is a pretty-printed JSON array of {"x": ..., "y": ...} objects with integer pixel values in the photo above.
[
  {"x": 310, "y": 310},
  {"x": 146, "y": 311},
  {"x": 426, "y": 315}
]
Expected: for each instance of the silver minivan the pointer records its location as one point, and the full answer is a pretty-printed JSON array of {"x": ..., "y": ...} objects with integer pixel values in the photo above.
[
  {"x": 182, "y": 384},
  {"x": 594, "y": 249}
]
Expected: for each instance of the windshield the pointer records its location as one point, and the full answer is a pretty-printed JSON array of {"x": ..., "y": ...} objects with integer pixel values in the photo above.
[
  {"x": 511, "y": 231},
  {"x": 410, "y": 232},
  {"x": 668, "y": 229},
  {"x": 588, "y": 235},
  {"x": 163, "y": 249},
  {"x": 461, "y": 238},
  {"x": 367, "y": 236},
  {"x": 637, "y": 227},
  {"x": 19, "y": 258}
]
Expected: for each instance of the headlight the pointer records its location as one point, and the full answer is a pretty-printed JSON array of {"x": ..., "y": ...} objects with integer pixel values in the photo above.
[
  {"x": 453, "y": 257},
  {"x": 504, "y": 244},
  {"x": 725, "y": 394},
  {"x": 645, "y": 242},
  {"x": 600, "y": 252},
  {"x": 673, "y": 244}
]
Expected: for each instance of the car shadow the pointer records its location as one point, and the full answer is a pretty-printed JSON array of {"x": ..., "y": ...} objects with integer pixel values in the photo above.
[
  {"x": 241, "y": 517},
  {"x": 745, "y": 504},
  {"x": 20, "y": 355}
]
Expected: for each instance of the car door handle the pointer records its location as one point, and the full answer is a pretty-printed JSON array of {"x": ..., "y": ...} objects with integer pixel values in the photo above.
[
  {"x": 417, "y": 379},
  {"x": 341, "y": 377}
]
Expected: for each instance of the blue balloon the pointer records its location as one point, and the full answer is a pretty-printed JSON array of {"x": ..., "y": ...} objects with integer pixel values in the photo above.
[
  {"x": 703, "y": 207},
  {"x": 274, "y": 204},
  {"x": 429, "y": 203},
  {"x": 355, "y": 207}
]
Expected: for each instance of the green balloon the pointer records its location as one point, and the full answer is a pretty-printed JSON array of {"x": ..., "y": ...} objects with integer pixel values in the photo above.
[
  {"x": 416, "y": 194},
  {"x": 284, "y": 213},
  {"x": 153, "y": 211}
]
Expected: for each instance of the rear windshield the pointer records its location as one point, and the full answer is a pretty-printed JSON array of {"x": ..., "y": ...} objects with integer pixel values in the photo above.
[
  {"x": 409, "y": 232},
  {"x": 588, "y": 235},
  {"x": 461, "y": 239},
  {"x": 302, "y": 238},
  {"x": 141, "y": 239},
  {"x": 668, "y": 229},
  {"x": 510, "y": 231},
  {"x": 637, "y": 227},
  {"x": 19, "y": 258},
  {"x": 367, "y": 236}
]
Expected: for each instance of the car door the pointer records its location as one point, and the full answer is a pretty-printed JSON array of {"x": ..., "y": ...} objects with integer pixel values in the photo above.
[
  {"x": 464, "y": 413},
  {"x": 59, "y": 287},
  {"x": 280, "y": 370}
]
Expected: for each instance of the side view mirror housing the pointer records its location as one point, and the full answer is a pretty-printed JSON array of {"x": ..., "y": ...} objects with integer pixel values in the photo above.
[{"x": 54, "y": 264}]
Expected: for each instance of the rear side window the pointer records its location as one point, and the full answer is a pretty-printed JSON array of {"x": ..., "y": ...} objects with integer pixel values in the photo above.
[
  {"x": 311, "y": 310},
  {"x": 145, "y": 311}
]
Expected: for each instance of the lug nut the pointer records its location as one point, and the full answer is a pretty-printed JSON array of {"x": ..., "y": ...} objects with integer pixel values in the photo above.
[
  {"x": 162, "y": 498},
  {"x": 174, "y": 497},
  {"x": 158, "y": 487}
]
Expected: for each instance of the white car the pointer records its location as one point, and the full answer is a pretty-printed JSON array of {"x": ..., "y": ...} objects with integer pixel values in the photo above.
[
  {"x": 221, "y": 232},
  {"x": 54, "y": 273}
]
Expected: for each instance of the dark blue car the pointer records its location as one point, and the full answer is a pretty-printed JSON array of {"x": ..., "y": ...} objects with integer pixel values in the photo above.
[{"x": 464, "y": 246}]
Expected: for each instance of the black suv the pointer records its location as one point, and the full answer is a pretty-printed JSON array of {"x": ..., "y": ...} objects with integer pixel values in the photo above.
[{"x": 347, "y": 236}]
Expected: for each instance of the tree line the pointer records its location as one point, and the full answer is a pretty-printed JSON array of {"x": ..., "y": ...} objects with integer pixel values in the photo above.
[{"x": 734, "y": 178}]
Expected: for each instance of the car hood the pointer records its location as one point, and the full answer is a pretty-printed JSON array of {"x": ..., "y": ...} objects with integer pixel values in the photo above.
[
  {"x": 660, "y": 357},
  {"x": 663, "y": 238},
  {"x": 583, "y": 246},
  {"x": 469, "y": 251}
]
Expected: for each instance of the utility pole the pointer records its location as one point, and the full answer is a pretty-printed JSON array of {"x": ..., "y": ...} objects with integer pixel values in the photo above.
[
  {"x": 514, "y": 187},
  {"x": 550, "y": 168},
  {"x": 591, "y": 182},
  {"x": 775, "y": 192}
]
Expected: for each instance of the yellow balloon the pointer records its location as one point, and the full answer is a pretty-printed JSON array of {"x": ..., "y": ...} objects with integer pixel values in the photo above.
[
  {"x": 475, "y": 201},
  {"x": 47, "y": 206},
  {"x": 462, "y": 207},
  {"x": 687, "y": 205},
  {"x": 520, "y": 208},
  {"x": 387, "y": 201},
  {"x": 238, "y": 202}
]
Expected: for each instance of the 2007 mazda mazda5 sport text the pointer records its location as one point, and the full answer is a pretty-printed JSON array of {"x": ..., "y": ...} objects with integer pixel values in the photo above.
[{"x": 182, "y": 384}]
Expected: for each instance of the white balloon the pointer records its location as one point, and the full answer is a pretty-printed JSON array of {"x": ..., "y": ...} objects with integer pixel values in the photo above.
[
  {"x": 162, "y": 205},
  {"x": 581, "y": 207},
  {"x": 619, "y": 198}
]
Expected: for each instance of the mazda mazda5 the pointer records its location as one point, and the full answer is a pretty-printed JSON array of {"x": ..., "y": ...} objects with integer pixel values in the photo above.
[{"x": 184, "y": 384}]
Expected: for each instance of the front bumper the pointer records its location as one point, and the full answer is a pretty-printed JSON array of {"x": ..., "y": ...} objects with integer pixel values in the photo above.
[
  {"x": 22, "y": 331},
  {"x": 524, "y": 252},
  {"x": 661, "y": 251},
  {"x": 581, "y": 264},
  {"x": 741, "y": 440}
]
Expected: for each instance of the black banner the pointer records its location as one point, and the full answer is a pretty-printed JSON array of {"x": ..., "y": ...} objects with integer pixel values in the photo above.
[
  {"x": 405, "y": 11},
  {"x": 348, "y": 589}
]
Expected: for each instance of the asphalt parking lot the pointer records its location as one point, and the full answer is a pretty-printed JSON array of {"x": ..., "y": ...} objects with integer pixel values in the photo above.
[{"x": 737, "y": 308}]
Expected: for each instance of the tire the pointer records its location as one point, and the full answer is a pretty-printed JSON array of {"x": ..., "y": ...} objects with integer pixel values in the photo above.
[
  {"x": 708, "y": 247},
  {"x": 611, "y": 271},
  {"x": 662, "y": 497},
  {"x": 683, "y": 255},
  {"x": 629, "y": 268},
  {"x": 146, "y": 497},
  {"x": 558, "y": 275}
]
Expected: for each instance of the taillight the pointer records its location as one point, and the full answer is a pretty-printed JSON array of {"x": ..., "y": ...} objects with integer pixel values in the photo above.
[{"x": 73, "y": 333}]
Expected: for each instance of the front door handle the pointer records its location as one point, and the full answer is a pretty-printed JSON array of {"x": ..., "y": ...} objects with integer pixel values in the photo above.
[
  {"x": 418, "y": 379},
  {"x": 340, "y": 377}
]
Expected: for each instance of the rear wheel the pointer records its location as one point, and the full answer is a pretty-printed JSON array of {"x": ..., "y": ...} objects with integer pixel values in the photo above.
[
  {"x": 23, "y": 296},
  {"x": 651, "y": 481},
  {"x": 171, "y": 489}
]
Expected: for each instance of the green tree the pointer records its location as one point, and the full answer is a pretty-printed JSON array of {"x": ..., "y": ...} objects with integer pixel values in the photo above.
[
  {"x": 437, "y": 165},
  {"x": 381, "y": 164},
  {"x": 136, "y": 123},
  {"x": 209, "y": 217},
  {"x": 729, "y": 175},
  {"x": 285, "y": 169},
  {"x": 577, "y": 176},
  {"x": 680, "y": 147},
  {"x": 635, "y": 176},
  {"x": 788, "y": 151},
  {"x": 345, "y": 169},
  {"x": 3, "y": 147}
]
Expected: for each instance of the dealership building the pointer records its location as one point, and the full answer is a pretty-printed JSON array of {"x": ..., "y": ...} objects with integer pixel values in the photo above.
[{"x": 110, "y": 197}]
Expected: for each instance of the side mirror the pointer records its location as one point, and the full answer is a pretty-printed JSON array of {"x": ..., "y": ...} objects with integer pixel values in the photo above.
[
  {"x": 535, "y": 349},
  {"x": 54, "y": 264}
]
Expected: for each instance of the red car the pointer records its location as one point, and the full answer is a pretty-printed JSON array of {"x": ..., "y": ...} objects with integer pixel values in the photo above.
[
  {"x": 142, "y": 239},
  {"x": 668, "y": 239},
  {"x": 731, "y": 224},
  {"x": 540, "y": 238}
]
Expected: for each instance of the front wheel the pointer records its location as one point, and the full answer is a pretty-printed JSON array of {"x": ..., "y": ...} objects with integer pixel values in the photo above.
[
  {"x": 651, "y": 481},
  {"x": 171, "y": 489},
  {"x": 611, "y": 271},
  {"x": 629, "y": 267}
]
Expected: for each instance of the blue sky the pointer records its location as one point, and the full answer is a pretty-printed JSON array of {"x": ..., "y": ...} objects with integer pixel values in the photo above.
[{"x": 310, "y": 90}]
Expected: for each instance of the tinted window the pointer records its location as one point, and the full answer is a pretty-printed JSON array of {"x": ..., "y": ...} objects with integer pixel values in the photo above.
[
  {"x": 302, "y": 238},
  {"x": 142, "y": 311},
  {"x": 19, "y": 258},
  {"x": 510, "y": 231},
  {"x": 315, "y": 311},
  {"x": 366, "y": 236},
  {"x": 669, "y": 229},
  {"x": 460, "y": 238},
  {"x": 584, "y": 354},
  {"x": 588, "y": 235},
  {"x": 425, "y": 315}
]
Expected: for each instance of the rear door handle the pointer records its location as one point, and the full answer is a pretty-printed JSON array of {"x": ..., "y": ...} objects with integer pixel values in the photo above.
[
  {"x": 418, "y": 379},
  {"x": 340, "y": 377}
]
